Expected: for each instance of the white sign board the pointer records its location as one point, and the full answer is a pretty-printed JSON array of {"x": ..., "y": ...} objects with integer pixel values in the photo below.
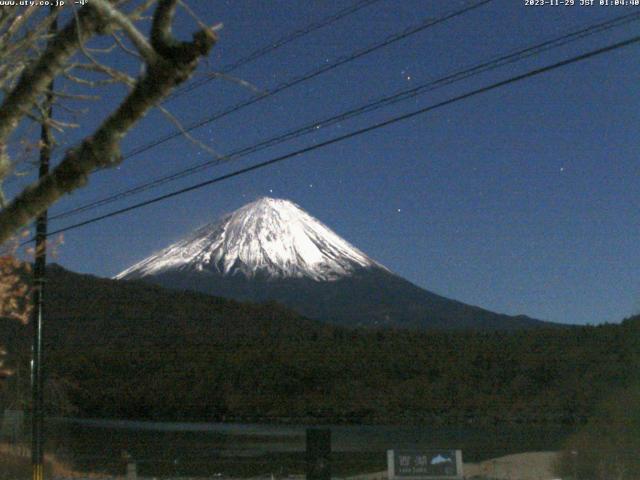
[{"x": 424, "y": 464}]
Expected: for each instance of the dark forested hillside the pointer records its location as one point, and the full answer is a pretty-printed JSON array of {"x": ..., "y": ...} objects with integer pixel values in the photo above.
[
  {"x": 127, "y": 349},
  {"x": 368, "y": 298}
]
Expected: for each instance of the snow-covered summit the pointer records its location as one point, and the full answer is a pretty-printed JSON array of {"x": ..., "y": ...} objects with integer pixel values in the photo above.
[{"x": 270, "y": 236}]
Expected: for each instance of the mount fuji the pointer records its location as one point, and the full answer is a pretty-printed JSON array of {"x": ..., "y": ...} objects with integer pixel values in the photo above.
[{"x": 272, "y": 250}]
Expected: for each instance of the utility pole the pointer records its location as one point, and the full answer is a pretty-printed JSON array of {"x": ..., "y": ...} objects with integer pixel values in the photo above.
[{"x": 39, "y": 271}]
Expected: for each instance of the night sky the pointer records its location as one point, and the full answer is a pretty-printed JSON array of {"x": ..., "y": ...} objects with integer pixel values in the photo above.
[{"x": 523, "y": 200}]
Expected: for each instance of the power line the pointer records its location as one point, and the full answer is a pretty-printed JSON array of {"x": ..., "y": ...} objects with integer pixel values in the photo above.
[
  {"x": 425, "y": 24},
  {"x": 493, "y": 63},
  {"x": 358, "y": 132},
  {"x": 260, "y": 52},
  {"x": 275, "y": 45}
]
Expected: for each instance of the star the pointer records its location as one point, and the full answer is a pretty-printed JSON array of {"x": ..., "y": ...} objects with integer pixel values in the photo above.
[{"x": 399, "y": 210}]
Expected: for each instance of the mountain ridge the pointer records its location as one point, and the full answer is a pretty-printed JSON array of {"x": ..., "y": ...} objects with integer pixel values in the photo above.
[{"x": 271, "y": 249}]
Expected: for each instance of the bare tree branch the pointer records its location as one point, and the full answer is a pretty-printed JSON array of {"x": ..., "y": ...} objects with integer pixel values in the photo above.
[
  {"x": 172, "y": 118},
  {"x": 36, "y": 78},
  {"x": 115, "y": 16},
  {"x": 138, "y": 13},
  {"x": 173, "y": 62},
  {"x": 124, "y": 48}
]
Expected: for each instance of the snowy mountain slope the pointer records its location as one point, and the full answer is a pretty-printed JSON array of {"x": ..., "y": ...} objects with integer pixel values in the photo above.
[
  {"x": 270, "y": 237},
  {"x": 271, "y": 250}
]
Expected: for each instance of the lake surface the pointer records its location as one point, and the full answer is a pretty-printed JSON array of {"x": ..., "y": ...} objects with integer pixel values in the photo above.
[{"x": 162, "y": 448}]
